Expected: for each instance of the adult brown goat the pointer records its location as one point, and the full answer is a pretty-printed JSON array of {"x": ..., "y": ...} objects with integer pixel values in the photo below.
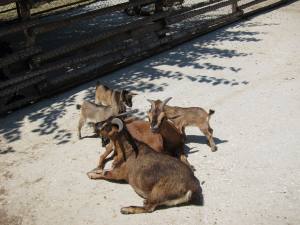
[
  {"x": 181, "y": 117},
  {"x": 169, "y": 142},
  {"x": 158, "y": 178}
]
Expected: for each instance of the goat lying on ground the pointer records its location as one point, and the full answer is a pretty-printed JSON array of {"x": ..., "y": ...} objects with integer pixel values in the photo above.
[
  {"x": 158, "y": 178},
  {"x": 104, "y": 96},
  {"x": 168, "y": 140},
  {"x": 181, "y": 117},
  {"x": 140, "y": 130},
  {"x": 97, "y": 113}
]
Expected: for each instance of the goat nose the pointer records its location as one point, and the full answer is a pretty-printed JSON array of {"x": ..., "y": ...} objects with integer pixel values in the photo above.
[{"x": 154, "y": 128}]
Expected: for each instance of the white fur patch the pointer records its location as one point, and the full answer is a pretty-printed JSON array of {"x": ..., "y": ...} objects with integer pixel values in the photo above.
[{"x": 183, "y": 199}]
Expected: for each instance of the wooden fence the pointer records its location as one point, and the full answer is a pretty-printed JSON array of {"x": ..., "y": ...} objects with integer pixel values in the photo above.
[{"x": 60, "y": 46}]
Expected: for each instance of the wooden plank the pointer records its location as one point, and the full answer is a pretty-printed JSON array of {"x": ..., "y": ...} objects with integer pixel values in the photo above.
[
  {"x": 249, "y": 4},
  {"x": 89, "y": 41},
  {"x": 19, "y": 55},
  {"x": 97, "y": 53},
  {"x": 179, "y": 17},
  {"x": 15, "y": 88},
  {"x": 45, "y": 26}
]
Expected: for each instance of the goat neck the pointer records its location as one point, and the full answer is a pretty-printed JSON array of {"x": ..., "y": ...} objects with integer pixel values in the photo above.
[
  {"x": 170, "y": 111},
  {"x": 125, "y": 144},
  {"x": 116, "y": 103}
]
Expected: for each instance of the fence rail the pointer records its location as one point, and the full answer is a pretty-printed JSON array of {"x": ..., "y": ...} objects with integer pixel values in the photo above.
[{"x": 37, "y": 48}]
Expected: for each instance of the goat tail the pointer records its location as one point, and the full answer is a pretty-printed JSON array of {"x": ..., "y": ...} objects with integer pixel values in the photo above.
[
  {"x": 78, "y": 106},
  {"x": 197, "y": 198},
  {"x": 210, "y": 112}
]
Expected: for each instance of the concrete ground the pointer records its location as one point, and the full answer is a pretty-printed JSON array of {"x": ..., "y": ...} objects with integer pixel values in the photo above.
[{"x": 248, "y": 72}]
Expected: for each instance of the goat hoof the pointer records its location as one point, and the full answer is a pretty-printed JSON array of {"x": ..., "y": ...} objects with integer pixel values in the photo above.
[
  {"x": 192, "y": 168},
  {"x": 214, "y": 148},
  {"x": 126, "y": 210},
  {"x": 92, "y": 175}
]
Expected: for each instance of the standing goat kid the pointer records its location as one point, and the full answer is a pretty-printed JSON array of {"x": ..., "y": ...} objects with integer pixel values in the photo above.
[
  {"x": 104, "y": 95},
  {"x": 98, "y": 113},
  {"x": 158, "y": 178},
  {"x": 182, "y": 117}
]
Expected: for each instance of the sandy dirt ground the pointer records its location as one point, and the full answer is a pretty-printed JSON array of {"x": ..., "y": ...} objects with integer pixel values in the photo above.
[{"x": 248, "y": 72}]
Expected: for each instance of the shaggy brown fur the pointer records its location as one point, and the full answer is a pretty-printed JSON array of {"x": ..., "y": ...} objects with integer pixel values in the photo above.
[
  {"x": 168, "y": 141},
  {"x": 158, "y": 178}
]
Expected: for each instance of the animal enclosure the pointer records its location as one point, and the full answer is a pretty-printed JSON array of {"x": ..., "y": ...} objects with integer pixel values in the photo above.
[{"x": 47, "y": 46}]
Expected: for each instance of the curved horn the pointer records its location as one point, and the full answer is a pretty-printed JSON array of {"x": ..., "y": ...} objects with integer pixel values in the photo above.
[
  {"x": 129, "y": 112},
  {"x": 118, "y": 122},
  {"x": 152, "y": 103},
  {"x": 165, "y": 102}
]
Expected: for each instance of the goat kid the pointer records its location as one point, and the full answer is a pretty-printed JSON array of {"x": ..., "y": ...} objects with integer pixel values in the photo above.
[
  {"x": 182, "y": 117},
  {"x": 104, "y": 96},
  {"x": 97, "y": 113},
  {"x": 158, "y": 178}
]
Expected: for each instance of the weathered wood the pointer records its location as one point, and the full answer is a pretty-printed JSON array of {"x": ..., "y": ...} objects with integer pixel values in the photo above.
[
  {"x": 50, "y": 26},
  {"x": 19, "y": 56},
  {"x": 234, "y": 6},
  {"x": 19, "y": 103},
  {"x": 6, "y": 2},
  {"x": 97, "y": 53},
  {"x": 188, "y": 14},
  {"x": 136, "y": 47},
  {"x": 15, "y": 88},
  {"x": 89, "y": 41},
  {"x": 249, "y": 4},
  {"x": 44, "y": 26}
]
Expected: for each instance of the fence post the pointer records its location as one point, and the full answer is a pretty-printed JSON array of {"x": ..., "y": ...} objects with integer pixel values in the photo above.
[
  {"x": 234, "y": 6},
  {"x": 23, "y": 10}
]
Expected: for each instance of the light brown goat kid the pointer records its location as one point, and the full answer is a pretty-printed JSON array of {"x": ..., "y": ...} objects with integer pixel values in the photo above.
[
  {"x": 104, "y": 95},
  {"x": 158, "y": 178},
  {"x": 181, "y": 117},
  {"x": 97, "y": 113}
]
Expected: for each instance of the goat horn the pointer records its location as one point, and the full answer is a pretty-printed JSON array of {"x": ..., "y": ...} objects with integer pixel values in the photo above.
[
  {"x": 152, "y": 103},
  {"x": 132, "y": 93},
  {"x": 128, "y": 112},
  {"x": 118, "y": 122},
  {"x": 165, "y": 102}
]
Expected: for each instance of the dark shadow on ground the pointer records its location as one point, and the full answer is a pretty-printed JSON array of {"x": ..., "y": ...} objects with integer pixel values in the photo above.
[
  {"x": 203, "y": 140},
  {"x": 6, "y": 150}
]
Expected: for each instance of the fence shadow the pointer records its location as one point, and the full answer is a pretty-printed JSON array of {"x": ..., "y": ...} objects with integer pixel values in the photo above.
[{"x": 140, "y": 77}]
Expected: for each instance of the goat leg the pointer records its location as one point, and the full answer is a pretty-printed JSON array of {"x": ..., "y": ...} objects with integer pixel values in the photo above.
[
  {"x": 147, "y": 208},
  {"x": 207, "y": 131},
  {"x": 183, "y": 159},
  {"x": 116, "y": 174},
  {"x": 108, "y": 150},
  {"x": 80, "y": 125}
]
